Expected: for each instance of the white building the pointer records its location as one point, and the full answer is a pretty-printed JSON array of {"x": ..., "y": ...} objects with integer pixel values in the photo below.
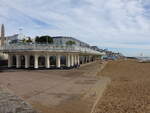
[
  {"x": 61, "y": 40},
  {"x": 15, "y": 38},
  {"x": 34, "y": 55}
]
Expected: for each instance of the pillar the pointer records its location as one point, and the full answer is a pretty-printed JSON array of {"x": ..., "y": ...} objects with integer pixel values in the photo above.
[
  {"x": 18, "y": 61},
  {"x": 72, "y": 60},
  {"x": 78, "y": 59},
  {"x": 94, "y": 58},
  {"x": 75, "y": 59},
  {"x": 89, "y": 58},
  {"x": 58, "y": 61},
  {"x": 47, "y": 61},
  {"x": 86, "y": 59},
  {"x": 36, "y": 64},
  {"x": 83, "y": 59},
  {"x": 27, "y": 63},
  {"x": 68, "y": 61},
  {"x": 9, "y": 61}
]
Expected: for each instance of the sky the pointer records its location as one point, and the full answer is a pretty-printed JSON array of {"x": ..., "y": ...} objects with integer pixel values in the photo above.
[{"x": 118, "y": 25}]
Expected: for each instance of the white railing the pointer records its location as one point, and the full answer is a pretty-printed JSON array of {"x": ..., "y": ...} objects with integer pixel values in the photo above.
[{"x": 47, "y": 47}]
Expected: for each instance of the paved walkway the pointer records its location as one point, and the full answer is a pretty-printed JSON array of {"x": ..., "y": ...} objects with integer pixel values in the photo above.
[
  {"x": 55, "y": 90},
  {"x": 9, "y": 103}
]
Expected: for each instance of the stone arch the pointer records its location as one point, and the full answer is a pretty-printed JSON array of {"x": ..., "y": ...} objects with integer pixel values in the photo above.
[
  {"x": 63, "y": 61},
  {"x": 92, "y": 59},
  {"x": 53, "y": 61},
  {"x": 13, "y": 60},
  {"x": 31, "y": 61},
  {"x": 81, "y": 61},
  {"x": 41, "y": 61}
]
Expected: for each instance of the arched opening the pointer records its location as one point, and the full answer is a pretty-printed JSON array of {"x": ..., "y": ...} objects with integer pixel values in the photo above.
[
  {"x": 63, "y": 61},
  {"x": 53, "y": 61},
  {"x": 81, "y": 60},
  {"x": 22, "y": 58},
  {"x": 84, "y": 59},
  {"x": 31, "y": 61},
  {"x": 92, "y": 59},
  {"x": 88, "y": 59},
  {"x": 13, "y": 61},
  {"x": 41, "y": 61}
]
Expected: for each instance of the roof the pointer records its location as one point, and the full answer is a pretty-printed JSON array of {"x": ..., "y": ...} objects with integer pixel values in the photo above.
[{"x": 59, "y": 37}]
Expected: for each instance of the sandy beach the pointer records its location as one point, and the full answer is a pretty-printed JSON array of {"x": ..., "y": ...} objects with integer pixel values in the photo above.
[
  {"x": 120, "y": 86},
  {"x": 129, "y": 91}
]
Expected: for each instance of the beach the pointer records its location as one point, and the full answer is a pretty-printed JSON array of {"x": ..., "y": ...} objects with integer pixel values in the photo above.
[
  {"x": 120, "y": 86},
  {"x": 129, "y": 91}
]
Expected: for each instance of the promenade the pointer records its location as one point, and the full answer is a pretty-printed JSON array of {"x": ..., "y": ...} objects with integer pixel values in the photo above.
[{"x": 58, "y": 91}]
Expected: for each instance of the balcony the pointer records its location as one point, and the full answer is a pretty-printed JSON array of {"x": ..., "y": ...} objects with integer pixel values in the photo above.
[{"x": 47, "y": 47}]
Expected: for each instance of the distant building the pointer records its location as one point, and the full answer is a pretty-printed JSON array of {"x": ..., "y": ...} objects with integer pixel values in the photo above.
[
  {"x": 97, "y": 49},
  {"x": 15, "y": 38},
  {"x": 8, "y": 39},
  {"x": 61, "y": 40},
  {"x": 112, "y": 55}
]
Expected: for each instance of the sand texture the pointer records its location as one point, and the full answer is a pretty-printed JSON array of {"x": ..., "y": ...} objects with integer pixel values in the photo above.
[{"x": 129, "y": 91}]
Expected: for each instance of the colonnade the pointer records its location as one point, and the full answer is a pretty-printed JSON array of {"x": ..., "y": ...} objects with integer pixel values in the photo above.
[{"x": 72, "y": 60}]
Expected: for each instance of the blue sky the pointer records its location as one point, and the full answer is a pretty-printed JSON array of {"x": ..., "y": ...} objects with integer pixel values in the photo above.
[{"x": 119, "y": 25}]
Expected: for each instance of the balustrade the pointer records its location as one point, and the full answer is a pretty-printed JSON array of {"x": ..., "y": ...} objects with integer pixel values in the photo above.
[{"x": 48, "y": 47}]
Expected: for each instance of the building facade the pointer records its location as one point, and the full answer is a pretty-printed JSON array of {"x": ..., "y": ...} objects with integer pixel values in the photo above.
[
  {"x": 56, "y": 55},
  {"x": 62, "y": 40}
]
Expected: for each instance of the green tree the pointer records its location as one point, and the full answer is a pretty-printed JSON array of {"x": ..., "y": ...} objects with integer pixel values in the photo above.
[
  {"x": 24, "y": 40},
  {"x": 37, "y": 39},
  {"x": 44, "y": 39},
  {"x": 70, "y": 42},
  {"x": 29, "y": 40}
]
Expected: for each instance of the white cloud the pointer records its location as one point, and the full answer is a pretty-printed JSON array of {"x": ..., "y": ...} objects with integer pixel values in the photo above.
[{"x": 100, "y": 22}]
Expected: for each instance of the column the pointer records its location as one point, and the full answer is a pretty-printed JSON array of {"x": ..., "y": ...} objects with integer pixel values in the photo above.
[
  {"x": 47, "y": 61},
  {"x": 68, "y": 60},
  {"x": 58, "y": 61},
  {"x": 83, "y": 59},
  {"x": 18, "y": 61},
  {"x": 36, "y": 64},
  {"x": 75, "y": 59},
  {"x": 72, "y": 60},
  {"x": 93, "y": 58},
  {"x": 27, "y": 61},
  {"x": 78, "y": 59},
  {"x": 9, "y": 61},
  {"x": 89, "y": 58}
]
